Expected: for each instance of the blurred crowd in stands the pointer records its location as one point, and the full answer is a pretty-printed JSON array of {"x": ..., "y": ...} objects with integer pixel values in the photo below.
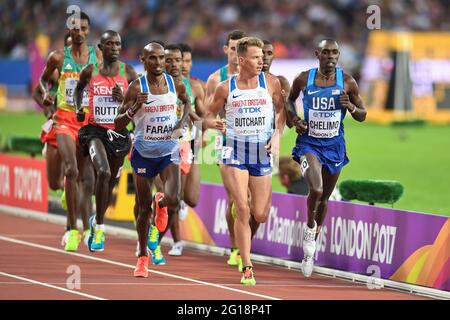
[{"x": 293, "y": 25}]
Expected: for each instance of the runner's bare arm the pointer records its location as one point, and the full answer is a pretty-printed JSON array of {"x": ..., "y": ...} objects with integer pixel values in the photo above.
[
  {"x": 291, "y": 114},
  {"x": 85, "y": 77},
  {"x": 182, "y": 95},
  {"x": 285, "y": 87},
  {"x": 351, "y": 99},
  {"x": 211, "y": 85},
  {"x": 278, "y": 102},
  {"x": 131, "y": 73},
  {"x": 132, "y": 102},
  {"x": 199, "y": 94},
  {"x": 218, "y": 102},
  {"x": 54, "y": 62}
]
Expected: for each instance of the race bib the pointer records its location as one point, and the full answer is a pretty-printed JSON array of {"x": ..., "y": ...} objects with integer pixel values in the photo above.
[
  {"x": 246, "y": 125},
  {"x": 70, "y": 85},
  {"x": 226, "y": 152},
  {"x": 159, "y": 127},
  {"x": 324, "y": 124},
  {"x": 105, "y": 109}
]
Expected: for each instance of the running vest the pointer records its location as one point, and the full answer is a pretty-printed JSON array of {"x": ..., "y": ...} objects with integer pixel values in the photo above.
[
  {"x": 68, "y": 79},
  {"x": 323, "y": 112},
  {"x": 155, "y": 121},
  {"x": 223, "y": 74},
  {"x": 249, "y": 112},
  {"x": 103, "y": 107},
  {"x": 188, "y": 133}
]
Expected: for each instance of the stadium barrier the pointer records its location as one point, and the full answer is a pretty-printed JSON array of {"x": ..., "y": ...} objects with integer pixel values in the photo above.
[
  {"x": 23, "y": 182},
  {"x": 380, "y": 242}
]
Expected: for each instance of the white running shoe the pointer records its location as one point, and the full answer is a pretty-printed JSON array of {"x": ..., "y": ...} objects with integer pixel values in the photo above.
[
  {"x": 177, "y": 249},
  {"x": 64, "y": 238},
  {"x": 309, "y": 241},
  {"x": 307, "y": 266},
  {"x": 183, "y": 210}
]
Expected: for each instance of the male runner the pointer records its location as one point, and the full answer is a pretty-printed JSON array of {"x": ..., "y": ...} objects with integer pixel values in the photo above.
[
  {"x": 231, "y": 68},
  {"x": 328, "y": 93},
  {"x": 249, "y": 99},
  {"x": 69, "y": 63},
  {"x": 151, "y": 102},
  {"x": 187, "y": 64},
  {"x": 190, "y": 176},
  {"x": 106, "y": 147},
  {"x": 55, "y": 174}
]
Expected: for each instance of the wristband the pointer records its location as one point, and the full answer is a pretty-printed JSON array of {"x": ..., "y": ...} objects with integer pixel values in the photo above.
[{"x": 353, "y": 111}]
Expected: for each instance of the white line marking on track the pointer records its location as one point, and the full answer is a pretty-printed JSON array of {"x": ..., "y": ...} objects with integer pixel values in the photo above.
[
  {"x": 132, "y": 267},
  {"x": 184, "y": 284},
  {"x": 51, "y": 286}
]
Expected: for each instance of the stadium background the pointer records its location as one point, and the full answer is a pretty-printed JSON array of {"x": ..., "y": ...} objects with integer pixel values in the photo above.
[
  {"x": 403, "y": 69},
  {"x": 414, "y": 154}
]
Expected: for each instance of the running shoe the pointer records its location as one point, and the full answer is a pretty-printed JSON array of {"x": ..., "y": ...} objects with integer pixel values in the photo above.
[
  {"x": 157, "y": 257},
  {"x": 64, "y": 238},
  {"x": 232, "y": 261},
  {"x": 72, "y": 241},
  {"x": 177, "y": 249},
  {"x": 182, "y": 214},
  {"x": 153, "y": 238},
  {"x": 248, "y": 278},
  {"x": 307, "y": 266},
  {"x": 141, "y": 269},
  {"x": 98, "y": 244},
  {"x": 309, "y": 241},
  {"x": 162, "y": 217},
  {"x": 91, "y": 232}
]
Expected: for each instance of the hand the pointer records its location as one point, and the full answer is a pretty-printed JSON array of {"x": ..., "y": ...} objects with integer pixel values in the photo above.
[
  {"x": 301, "y": 126},
  {"x": 140, "y": 99},
  {"x": 49, "y": 100},
  {"x": 219, "y": 124},
  {"x": 273, "y": 146},
  {"x": 117, "y": 93},
  {"x": 344, "y": 100},
  {"x": 80, "y": 115}
]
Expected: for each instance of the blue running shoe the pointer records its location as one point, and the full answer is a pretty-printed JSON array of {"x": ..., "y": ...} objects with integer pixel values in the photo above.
[
  {"x": 153, "y": 238},
  {"x": 157, "y": 257}
]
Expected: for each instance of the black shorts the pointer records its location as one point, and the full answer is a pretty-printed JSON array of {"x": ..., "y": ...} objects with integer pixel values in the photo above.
[{"x": 116, "y": 144}]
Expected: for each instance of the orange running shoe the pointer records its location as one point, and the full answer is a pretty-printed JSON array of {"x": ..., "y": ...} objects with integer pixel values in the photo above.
[
  {"x": 141, "y": 267},
  {"x": 162, "y": 216}
]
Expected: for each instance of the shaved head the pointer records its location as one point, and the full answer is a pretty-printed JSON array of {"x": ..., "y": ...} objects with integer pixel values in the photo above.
[
  {"x": 324, "y": 42},
  {"x": 152, "y": 46},
  {"x": 108, "y": 34}
]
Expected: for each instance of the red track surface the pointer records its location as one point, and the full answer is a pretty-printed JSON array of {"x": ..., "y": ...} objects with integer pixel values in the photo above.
[{"x": 31, "y": 250}]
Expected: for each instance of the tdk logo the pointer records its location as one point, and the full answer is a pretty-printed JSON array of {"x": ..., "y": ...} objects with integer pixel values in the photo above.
[
  {"x": 250, "y": 110},
  {"x": 162, "y": 119},
  {"x": 324, "y": 114}
]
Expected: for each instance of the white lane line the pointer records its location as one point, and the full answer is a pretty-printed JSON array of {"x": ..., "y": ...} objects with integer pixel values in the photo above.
[
  {"x": 184, "y": 284},
  {"x": 34, "y": 245},
  {"x": 51, "y": 286}
]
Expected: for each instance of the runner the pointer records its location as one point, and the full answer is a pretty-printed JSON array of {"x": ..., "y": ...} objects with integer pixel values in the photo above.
[
  {"x": 231, "y": 68},
  {"x": 187, "y": 64},
  {"x": 54, "y": 165},
  {"x": 107, "y": 148},
  {"x": 151, "y": 102},
  {"x": 190, "y": 175},
  {"x": 249, "y": 99},
  {"x": 69, "y": 63},
  {"x": 328, "y": 93}
]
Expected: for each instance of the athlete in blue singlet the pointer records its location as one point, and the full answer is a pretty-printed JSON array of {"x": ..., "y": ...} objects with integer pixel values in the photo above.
[
  {"x": 151, "y": 102},
  {"x": 248, "y": 100},
  {"x": 328, "y": 93}
]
